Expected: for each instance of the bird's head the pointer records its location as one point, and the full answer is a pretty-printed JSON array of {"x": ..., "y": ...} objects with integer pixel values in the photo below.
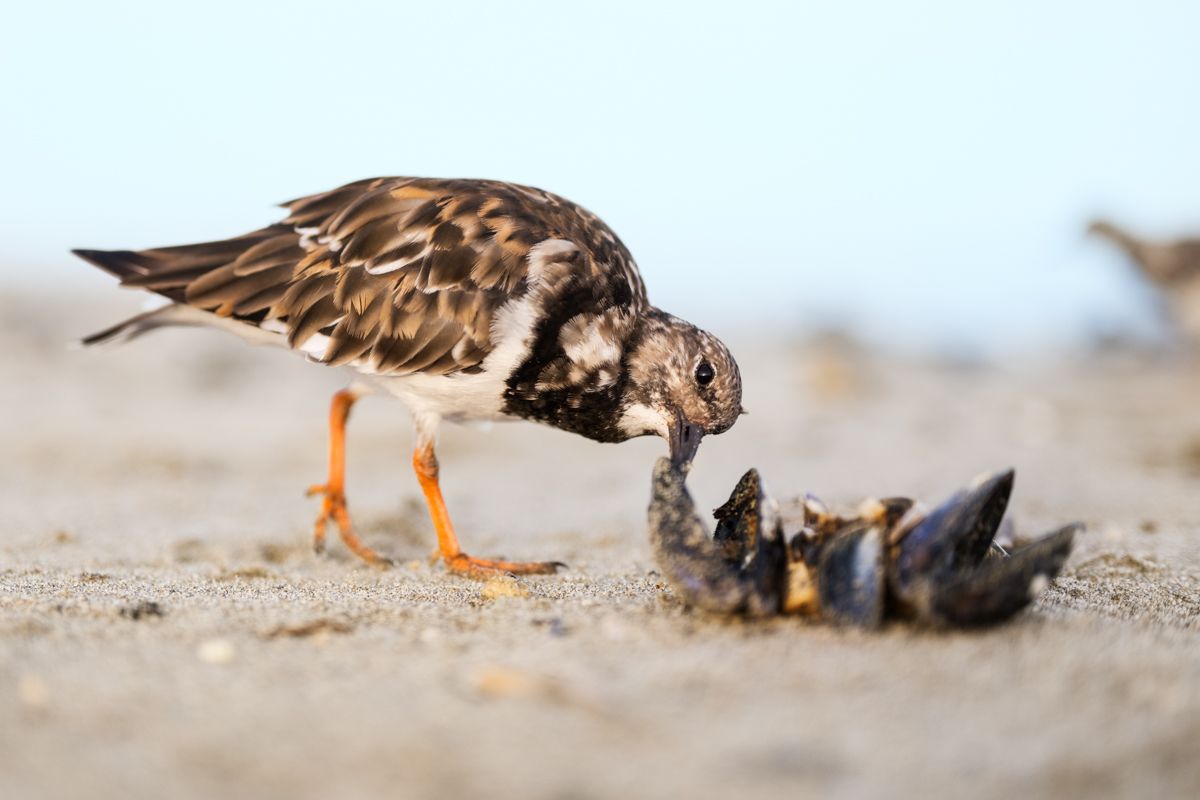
[
  {"x": 1106, "y": 230},
  {"x": 682, "y": 384}
]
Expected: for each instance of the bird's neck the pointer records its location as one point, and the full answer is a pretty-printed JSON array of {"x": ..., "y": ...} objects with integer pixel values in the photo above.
[{"x": 1127, "y": 242}]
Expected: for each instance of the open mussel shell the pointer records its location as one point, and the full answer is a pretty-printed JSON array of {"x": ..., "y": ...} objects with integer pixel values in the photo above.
[
  {"x": 739, "y": 519},
  {"x": 1002, "y": 586},
  {"x": 953, "y": 537},
  {"x": 946, "y": 570}
]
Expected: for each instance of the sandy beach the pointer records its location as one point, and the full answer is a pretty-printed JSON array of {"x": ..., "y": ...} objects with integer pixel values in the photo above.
[{"x": 166, "y": 631}]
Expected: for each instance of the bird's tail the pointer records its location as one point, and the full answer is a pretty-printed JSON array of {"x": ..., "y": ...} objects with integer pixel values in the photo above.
[
  {"x": 169, "y": 271},
  {"x": 235, "y": 278},
  {"x": 118, "y": 263},
  {"x": 166, "y": 271},
  {"x": 172, "y": 315}
]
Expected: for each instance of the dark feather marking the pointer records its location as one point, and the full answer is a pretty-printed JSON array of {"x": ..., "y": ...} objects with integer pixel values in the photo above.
[
  {"x": 446, "y": 236},
  {"x": 395, "y": 353},
  {"x": 303, "y": 292},
  {"x": 284, "y": 258},
  {"x": 422, "y": 215},
  {"x": 161, "y": 282},
  {"x": 374, "y": 237},
  {"x": 368, "y": 207},
  {"x": 268, "y": 252},
  {"x": 223, "y": 285},
  {"x": 200, "y": 290},
  {"x": 401, "y": 253},
  {"x": 260, "y": 302},
  {"x": 446, "y": 269},
  {"x": 347, "y": 343},
  {"x": 315, "y": 317},
  {"x": 354, "y": 288},
  {"x": 593, "y": 414},
  {"x": 439, "y": 345}
]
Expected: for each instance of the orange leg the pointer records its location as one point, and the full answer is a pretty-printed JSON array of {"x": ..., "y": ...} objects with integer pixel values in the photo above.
[
  {"x": 426, "y": 466},
  {"x": 333, "y": 505}
]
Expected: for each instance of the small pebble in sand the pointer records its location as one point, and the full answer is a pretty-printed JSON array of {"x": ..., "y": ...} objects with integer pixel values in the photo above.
[
  {"x": 275, "y": 553},
  {"x": 502, "y": 682},
  {"x": 142, "y": 610},
  {"x": 554, "y": 625},
  {"x": 190, "y": 551},
  {"x": 33, "y": 692},
  {"x": 245, "y": 574},
  {"x": 509, "y": 682},
  {"x": 216, "y": 651},
  {"x": 503, "y": 586},
  {"x": 318, "y": 629}
]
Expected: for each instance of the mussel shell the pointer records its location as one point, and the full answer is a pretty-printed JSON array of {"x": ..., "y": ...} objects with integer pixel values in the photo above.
[
  {"x": 952, "y": 539},
  {"x": 1001, "y": 586},
  {"x": 739, "y": 518},
  {"x": 698, "y": 568},
  {"x": 851, "y": 581}
]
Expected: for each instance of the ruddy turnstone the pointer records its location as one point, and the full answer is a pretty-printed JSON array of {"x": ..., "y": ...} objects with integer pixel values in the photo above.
[
  {"x": 467, "y": 300},
  {"x": 1172, "y": 266}
]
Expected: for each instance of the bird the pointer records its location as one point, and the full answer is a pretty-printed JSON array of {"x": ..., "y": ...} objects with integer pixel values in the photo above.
[
  {"x": 1174, "y": 267},
  {"x": 467, "y": 300}
]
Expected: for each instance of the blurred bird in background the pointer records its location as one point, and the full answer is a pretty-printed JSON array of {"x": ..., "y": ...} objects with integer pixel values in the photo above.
[{"x": 1172, "y": 266}]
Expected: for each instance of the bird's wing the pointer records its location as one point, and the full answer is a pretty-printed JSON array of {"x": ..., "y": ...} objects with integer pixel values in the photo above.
[
  {"x": 402, "y": 275},
  {"x": 1187, "y": 261}
]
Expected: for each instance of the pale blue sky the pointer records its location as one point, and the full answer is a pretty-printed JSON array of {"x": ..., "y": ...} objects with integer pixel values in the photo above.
[{"x": 922, "y": 170}]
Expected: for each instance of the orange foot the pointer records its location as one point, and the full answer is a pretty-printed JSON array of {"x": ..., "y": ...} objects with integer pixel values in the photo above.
[
  {"x": 426, "y": 466},
  {"x": 484, "y": 568},
  {"x": 333, "y": 507}
]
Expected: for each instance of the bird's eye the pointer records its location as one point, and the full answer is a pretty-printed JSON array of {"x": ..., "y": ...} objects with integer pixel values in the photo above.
[{"x": 705, "y": 373}]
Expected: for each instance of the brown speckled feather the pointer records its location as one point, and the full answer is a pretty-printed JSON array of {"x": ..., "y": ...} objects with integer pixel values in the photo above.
[{"x": 402, "y": 275}]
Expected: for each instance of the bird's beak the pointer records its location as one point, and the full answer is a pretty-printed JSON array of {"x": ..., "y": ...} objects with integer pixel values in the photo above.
[{"x": 685, "y": 441}]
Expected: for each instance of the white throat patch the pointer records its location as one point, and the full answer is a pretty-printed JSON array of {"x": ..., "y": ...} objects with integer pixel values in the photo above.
[{"x": 639, "y": 419}]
